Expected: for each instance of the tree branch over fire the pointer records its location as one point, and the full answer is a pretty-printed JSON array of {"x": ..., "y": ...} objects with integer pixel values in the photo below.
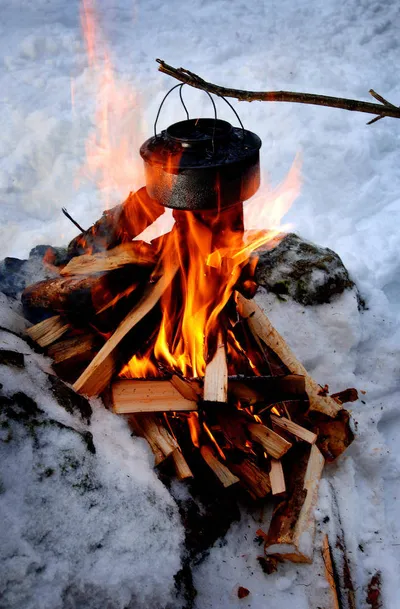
[{"x": 385, "y": 108}]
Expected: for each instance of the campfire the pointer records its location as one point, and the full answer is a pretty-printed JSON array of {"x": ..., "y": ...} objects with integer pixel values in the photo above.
[{"x": 168, "y": 334}]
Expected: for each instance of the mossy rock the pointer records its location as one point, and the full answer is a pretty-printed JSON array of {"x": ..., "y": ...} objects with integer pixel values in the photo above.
[{"x": 303, "y": 271}]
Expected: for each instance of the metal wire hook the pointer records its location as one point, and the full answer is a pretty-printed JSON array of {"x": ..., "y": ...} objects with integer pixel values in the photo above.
[
  {"x": 236, "y": 114},
  {"x": 161, "y": 105}
]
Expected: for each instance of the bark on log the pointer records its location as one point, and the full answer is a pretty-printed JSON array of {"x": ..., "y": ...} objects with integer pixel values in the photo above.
[
  {"x": 70, "y": 295},
  {"x": 118, "y": 225},
  {"x": 262, "y": 328}
]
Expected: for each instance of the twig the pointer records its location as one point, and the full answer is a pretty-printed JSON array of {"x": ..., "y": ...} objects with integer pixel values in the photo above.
[
  {"x": 64, "y": 211},
  {"x": 189, "y": 78}
]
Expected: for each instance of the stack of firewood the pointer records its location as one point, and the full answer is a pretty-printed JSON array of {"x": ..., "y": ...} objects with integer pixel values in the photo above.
[{"x": 266, "y": 428}]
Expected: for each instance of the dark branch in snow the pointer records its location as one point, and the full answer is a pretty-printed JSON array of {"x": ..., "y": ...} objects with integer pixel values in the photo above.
[{"x": 381, "y": 110}]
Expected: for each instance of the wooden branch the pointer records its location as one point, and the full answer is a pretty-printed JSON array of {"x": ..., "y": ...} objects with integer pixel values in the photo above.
[
  {"x": 292, "y": 528},
  {"x": 149, "y": 427},
  {"x": 216, "y": 375},
  {"x": 262, "y": 328},
  {"x": 277, "y": 477},
  {"x": 273, "y": 444},
  {"x": 99, "y": 372},
  {"x": 220, "y": 470},
  {"x": 131, "y": 395},
  {"x": 133, "y": 252},
  {"x": 255, "y": 480},
  {"x": 297, "y": 430},
  {"x": 189, "y": 78},
  {"x": 48, "y": 331}
]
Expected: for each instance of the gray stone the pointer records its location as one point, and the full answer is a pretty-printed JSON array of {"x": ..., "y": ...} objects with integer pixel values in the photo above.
[{"x": 301, "y": 270}]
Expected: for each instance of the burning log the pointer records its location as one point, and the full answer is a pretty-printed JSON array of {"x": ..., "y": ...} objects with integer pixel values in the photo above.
[
  {"x": 150, "y": 427},
  {"x": 261, "y": 327},
  {"x": 272, "y": 443},
  {"x": 134, "y": 252},
  {"x": 223, "y": 474},
  {"x": 292, "y": 528},
  {"x": 131, "y": 395},
  {"x": 255, "y": 480},
  {"x": 117, "y": 225},
  {"x": 277, "y": 477},
  {"x": 216, "y": 375},
  {"x": 182, "y": 469},
  {"x": 48, "y": 331},
  {"x": 99, "y": 372},
  {"x": 294, "y": 428}
]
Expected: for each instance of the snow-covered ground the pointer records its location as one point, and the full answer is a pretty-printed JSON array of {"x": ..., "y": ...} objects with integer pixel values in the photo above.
[{"x": 349, "y": 202}]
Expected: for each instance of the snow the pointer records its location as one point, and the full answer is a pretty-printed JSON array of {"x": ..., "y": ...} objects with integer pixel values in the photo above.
[
  {"x": 77, "y": 527},
  {"x": 349, "y": 201}
]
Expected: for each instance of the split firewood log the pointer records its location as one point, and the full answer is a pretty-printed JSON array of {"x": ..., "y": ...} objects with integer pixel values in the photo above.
[
  {"x": 292, "y": 529},
  {"x": 118, "y": 225},
  {"x": 216, "y": 375},
  {"x": 133, "y": 395},
  {"x": 48, "y": 331},
  {"x": 223, "y": 474},
  {"x": 277, "y": 477},
  {"x": 253, "y": 478},
  {"x": 98, "y": 374},
  {"x": 273, "y": 444},
  {"x": 151, "y": 427},
  {"x": 134, "y": 252},
  {"x": 262, "y": 328},
  {"x": 264, "y": 390},
  {"x": 73, "y": 347}
]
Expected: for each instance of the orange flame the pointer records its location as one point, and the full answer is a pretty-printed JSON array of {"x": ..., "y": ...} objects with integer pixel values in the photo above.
[
  {"x": 212, "y": 248},
  {"x": 111, "y": 150}
]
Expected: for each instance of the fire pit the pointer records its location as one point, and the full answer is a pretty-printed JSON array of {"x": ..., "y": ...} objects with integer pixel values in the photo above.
[{"x": 168, "y": 334}]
